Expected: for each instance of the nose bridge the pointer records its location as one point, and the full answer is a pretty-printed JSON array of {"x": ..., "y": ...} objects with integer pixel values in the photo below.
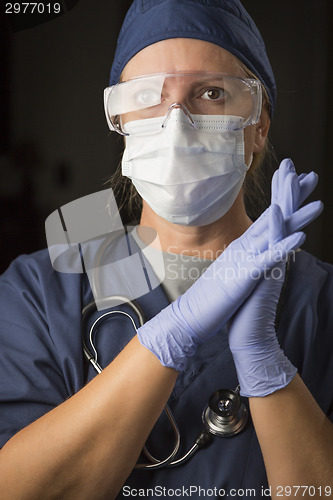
[
  {"x": 177, "y": 87},
  {"x": 177, "y": 105}
]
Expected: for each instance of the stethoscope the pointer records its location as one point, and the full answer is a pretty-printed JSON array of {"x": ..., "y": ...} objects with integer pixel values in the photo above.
[{"x": 225, "y": 415}]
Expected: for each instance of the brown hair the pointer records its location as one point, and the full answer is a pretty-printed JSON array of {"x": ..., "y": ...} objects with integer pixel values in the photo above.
[{"x": 256, "y": 187}]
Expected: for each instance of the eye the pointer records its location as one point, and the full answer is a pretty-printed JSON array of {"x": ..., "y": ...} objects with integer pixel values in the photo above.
[
  {"x": 147, "y": 97},
  {"x": 214, "y": 94}
]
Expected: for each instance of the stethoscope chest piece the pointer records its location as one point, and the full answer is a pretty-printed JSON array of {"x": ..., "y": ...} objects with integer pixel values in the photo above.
[{"x": 225, "y": 415}]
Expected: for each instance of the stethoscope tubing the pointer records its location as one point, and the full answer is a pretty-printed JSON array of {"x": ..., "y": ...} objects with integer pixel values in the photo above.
[
  {"x": 92, "y": 357},
  {"x": 91, "y": 354}
]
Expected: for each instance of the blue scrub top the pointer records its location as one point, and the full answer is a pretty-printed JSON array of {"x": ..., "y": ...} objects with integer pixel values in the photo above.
[{"x": 42, "y": 364}]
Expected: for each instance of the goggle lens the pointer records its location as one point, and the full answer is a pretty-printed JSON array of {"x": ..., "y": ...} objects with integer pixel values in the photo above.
[{"x": 151, "y": 96}]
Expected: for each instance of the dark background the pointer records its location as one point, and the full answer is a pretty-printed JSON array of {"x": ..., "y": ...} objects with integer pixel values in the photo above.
[{"x": 54, "y": 142}]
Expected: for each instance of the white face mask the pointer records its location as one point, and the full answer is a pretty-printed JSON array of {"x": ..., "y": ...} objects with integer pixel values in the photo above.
[{"x": 187, "y": 175}]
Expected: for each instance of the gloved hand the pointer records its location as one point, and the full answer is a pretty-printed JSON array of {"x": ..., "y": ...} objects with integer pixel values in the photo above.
[
  {"x": 262, "y": 367},
  {"x": 289, "y": 191},
  {"x": 174, "y": 334}
]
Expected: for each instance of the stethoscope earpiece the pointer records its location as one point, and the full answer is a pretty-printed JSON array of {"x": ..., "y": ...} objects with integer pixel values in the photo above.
[{"x": 225, "y": 415}]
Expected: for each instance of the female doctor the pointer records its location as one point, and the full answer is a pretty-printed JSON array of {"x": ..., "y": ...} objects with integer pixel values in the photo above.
[{"x": 187, "y": 82}]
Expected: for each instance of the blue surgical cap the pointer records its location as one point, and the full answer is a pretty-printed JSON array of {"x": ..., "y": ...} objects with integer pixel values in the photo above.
[{"x": 223, "y": 22}]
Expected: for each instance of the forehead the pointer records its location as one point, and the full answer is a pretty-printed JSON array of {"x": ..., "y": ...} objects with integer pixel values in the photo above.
[{"x": 182, "y": 54}]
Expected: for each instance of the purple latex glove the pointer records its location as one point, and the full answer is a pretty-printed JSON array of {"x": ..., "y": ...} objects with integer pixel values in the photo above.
[
  {"x": 174, "y": 334},
  {"x": 261, "y": 365},
  {"x": 289, "y": 191}
]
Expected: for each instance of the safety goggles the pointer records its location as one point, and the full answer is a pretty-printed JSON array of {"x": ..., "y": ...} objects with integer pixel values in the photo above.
[{"x": 200, "y": 93}]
